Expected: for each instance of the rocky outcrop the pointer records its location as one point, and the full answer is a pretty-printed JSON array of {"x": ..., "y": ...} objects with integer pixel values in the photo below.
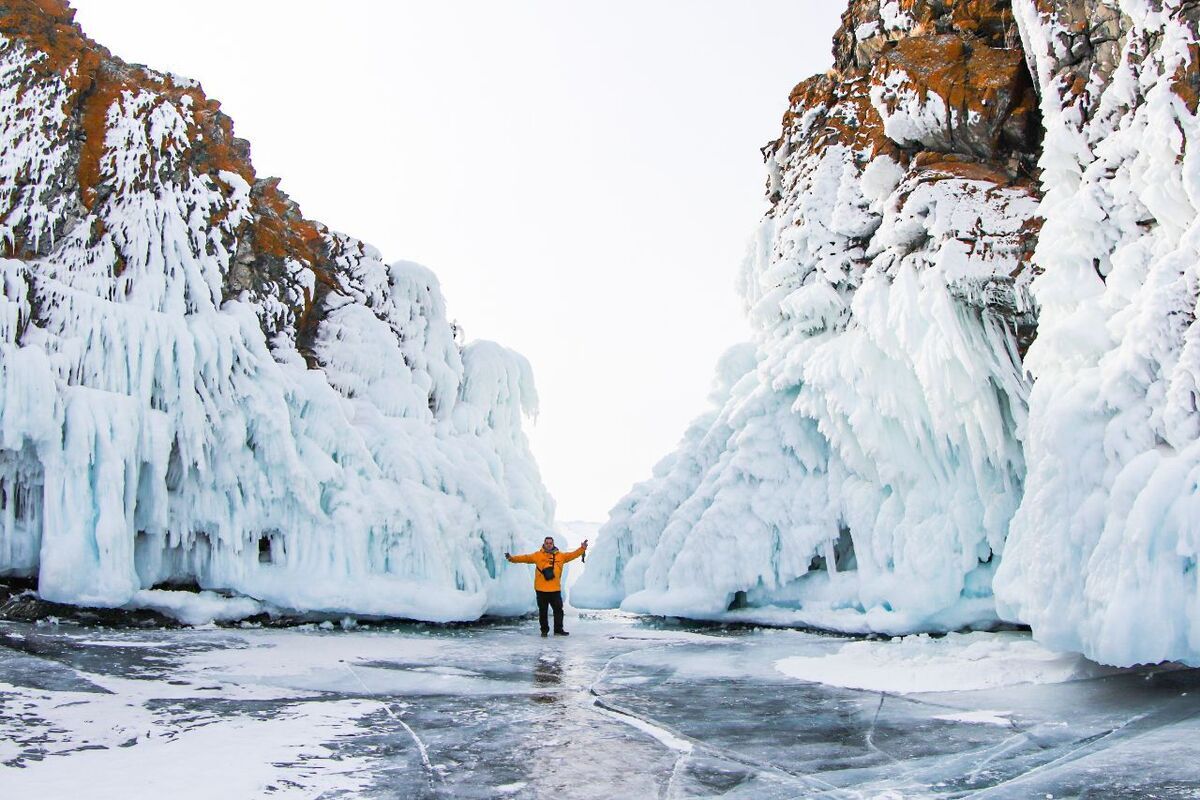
[
  {"x": 944, "y": 76},
  {"x": 200, "y": 386},
  {"x": 277, "y": 254},
  {"x": 942, "y": 90}
]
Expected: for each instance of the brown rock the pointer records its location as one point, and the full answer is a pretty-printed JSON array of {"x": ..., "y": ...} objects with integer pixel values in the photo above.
[{"x": 985, "y": 92}]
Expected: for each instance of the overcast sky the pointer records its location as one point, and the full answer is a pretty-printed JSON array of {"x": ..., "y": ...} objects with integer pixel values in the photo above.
[{"x": 583, "y": 175}]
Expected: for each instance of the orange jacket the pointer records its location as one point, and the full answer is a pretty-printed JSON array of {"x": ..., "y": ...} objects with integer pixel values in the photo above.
[{"x": 541, "y": 559}]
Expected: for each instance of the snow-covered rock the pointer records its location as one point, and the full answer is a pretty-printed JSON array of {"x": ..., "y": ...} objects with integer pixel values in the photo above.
[{"x": 200, "y": 386}]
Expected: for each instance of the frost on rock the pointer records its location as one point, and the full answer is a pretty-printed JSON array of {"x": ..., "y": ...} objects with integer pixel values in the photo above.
[
  {"x": 198, "y": 386},
  {"x": 860, "y": 467},
  {"x": 1102, "y": 554}
]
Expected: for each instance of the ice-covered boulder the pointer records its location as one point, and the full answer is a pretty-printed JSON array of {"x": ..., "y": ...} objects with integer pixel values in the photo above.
[{"x": 200, "y": 386}]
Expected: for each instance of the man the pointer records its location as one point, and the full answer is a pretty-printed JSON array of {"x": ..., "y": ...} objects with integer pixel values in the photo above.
[{"x": 547, "y": 580}]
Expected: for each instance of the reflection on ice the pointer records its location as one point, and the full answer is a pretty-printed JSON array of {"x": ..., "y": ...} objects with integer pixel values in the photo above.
[
  {"x": 621, "y": 709},
  {"x": 547, "y": 673}
]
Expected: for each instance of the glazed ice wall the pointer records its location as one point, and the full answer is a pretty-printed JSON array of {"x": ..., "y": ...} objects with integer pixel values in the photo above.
[{"x": 201, "y": 386}]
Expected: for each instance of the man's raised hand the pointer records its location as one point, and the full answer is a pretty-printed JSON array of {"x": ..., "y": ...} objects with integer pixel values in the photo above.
[
  {"x": 584, "y": 545},
  {"x": 508, "y": 556}
]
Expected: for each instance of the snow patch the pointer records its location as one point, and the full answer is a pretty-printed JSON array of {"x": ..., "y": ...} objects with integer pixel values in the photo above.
[
  {"x": 956, "y": 662},
  {"x": 981, "y": 717},
  {"x": 196, "y": 608}
]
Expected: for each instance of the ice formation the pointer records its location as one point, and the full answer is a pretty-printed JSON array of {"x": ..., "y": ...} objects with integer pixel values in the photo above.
[
  {"x": 1102, "y": 553},
  {"x": 891, "y": 446},
  {"x": 862, "y": 460},
  {"x": 198, "y": 386}
]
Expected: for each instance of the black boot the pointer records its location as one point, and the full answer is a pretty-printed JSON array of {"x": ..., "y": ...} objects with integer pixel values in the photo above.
[
  {"x": 545, "y": 634},
  {"x": 561, "y": 633}
]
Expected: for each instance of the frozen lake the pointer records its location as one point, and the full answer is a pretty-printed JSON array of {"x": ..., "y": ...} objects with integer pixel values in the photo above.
[{"x": 623, "y": 708}]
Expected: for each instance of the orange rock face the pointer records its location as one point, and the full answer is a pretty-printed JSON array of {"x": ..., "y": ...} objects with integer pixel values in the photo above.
[
  {"x": 965, "y": 57},
  {"x": 985, "y": 100}
]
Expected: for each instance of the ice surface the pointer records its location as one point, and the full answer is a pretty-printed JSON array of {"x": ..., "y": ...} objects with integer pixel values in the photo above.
[
  {"x": 622, "y": 708},
  {"x": 161, "y": 426},
  {"x": 982, "y": 717}
]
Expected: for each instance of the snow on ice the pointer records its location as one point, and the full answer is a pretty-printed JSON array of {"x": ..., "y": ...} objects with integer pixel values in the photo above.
[
  {"x": 957, "y": 662},
  {"x": 472, "y": 712}
]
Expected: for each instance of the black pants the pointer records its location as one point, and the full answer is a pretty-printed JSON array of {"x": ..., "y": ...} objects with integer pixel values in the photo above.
[{"x": 546, "y": 601}]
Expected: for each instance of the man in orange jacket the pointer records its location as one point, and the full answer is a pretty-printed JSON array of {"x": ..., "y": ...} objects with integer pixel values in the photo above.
[{"x": 547, "y": 580}]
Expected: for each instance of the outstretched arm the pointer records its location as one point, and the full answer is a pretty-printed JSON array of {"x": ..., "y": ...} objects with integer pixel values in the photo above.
[
  {"x": 574, "y": 554},
  {"x": 525, "y": 559}
]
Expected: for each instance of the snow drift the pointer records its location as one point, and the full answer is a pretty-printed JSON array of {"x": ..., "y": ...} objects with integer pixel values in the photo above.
[
  {"x": 889, "y": 448},
  {"x": 198, "y": 386}
]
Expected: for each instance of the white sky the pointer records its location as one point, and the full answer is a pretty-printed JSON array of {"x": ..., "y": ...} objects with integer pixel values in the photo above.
[{"x": 583, "y": 176}]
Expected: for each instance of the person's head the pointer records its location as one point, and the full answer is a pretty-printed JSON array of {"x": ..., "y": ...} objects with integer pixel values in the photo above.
[{"x": 548, "y": 544}]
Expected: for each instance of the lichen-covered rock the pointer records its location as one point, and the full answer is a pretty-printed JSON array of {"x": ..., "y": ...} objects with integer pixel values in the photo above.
[
  {"x": 198, "y": 385},
  {"x": 945, "y": 92},
  {"x": 86, "y": 130}
]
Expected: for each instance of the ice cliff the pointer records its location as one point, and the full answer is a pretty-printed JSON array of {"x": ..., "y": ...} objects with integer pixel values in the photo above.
[
  {"x": 199, "y": 386},
  {"x": 972, "y": 392}
]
